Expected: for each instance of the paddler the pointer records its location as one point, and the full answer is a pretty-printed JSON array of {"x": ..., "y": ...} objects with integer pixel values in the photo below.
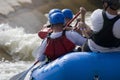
[
  {"x": 60, "y": 41},
  {"x": 105, "y": 28}
]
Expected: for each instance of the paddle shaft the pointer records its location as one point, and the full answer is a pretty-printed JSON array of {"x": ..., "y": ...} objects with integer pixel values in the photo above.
[
  {"x": 73, "y": 19},
  {"x": 24, "y": 74}
]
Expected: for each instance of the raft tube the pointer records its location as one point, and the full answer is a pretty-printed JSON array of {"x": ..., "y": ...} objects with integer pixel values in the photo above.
[{"x": 81, "y": 66}]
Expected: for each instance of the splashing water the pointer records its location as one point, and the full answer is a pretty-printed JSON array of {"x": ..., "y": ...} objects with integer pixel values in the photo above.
[
  {"x": 17, "y": 43},
  {"x": 20, "y": 46},
  {"x": 9, "y": 69}
]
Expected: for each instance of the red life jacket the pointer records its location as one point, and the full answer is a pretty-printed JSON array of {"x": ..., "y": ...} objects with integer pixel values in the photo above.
[{"x": 58, "y": 46}]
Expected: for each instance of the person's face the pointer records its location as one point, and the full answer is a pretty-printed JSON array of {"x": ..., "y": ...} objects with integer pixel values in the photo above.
[{"x": 105, "y": 5}]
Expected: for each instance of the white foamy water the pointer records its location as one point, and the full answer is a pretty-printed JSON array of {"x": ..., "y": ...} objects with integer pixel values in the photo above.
[
  {"x": 17, "y": 43},
  {"x": 20, "y": 45},
  {"x": 9, "y": 69},
  {"x": 7, "y": 6}
]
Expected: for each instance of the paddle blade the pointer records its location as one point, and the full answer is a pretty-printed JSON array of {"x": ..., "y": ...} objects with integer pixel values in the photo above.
[
  {"x": 44, "y": 32},
  {"x": 22, "y": 75},
  {"x": 19, "y": 76}
]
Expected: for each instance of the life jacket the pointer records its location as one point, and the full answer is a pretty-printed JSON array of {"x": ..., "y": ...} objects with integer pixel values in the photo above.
[
  {"x": 58, "y": 46},
  {"x": 105, "y": 37}
]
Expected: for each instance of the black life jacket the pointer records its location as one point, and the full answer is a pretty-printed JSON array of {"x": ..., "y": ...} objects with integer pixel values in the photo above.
[{"x": 105, "y": 37}]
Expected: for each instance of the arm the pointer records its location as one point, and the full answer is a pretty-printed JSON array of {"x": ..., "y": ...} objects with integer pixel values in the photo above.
[
  {"x": 75, "y": 37},
  {"x": 81, "y": 19},
  {"x": 83, "y": 12},
  {"x": 83, "y": 28},
  {"x": 81, "y": 22},
  {"x": 40, "y": 51}
]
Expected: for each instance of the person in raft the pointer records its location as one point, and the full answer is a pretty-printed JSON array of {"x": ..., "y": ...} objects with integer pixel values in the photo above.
[
  {"x": 68, "y": 14},
  {"x": 105, "y": 28},
  {"x": 51, "y": 12},
  {"x": 59, "y": 42}
]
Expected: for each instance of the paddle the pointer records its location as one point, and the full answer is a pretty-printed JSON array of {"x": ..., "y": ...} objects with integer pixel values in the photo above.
[
  {"x": 73, "y": 19},
  {"x": 43, "y": 32},
  {"x": 22, "y": 75}
]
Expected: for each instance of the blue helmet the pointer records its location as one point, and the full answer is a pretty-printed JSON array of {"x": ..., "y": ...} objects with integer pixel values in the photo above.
[
  {"x": 54, "y": 11},
  {"x": 67, "y": 13},
  {"x": 57, "y": 18}
]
